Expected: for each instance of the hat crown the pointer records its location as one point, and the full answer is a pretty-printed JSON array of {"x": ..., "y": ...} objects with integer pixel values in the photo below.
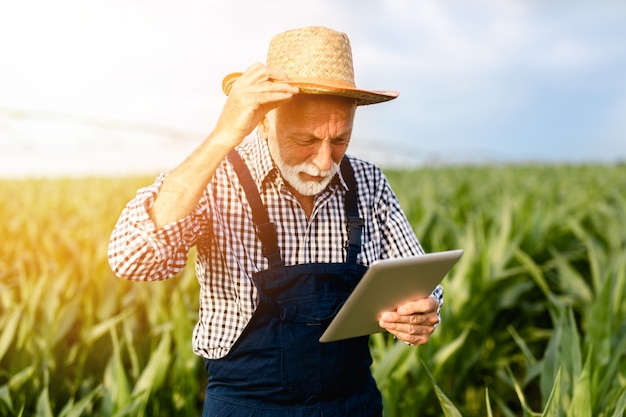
[{"x": 314, "y": 52}]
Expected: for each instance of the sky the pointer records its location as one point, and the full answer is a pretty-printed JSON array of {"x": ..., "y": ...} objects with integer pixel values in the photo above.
[{"x": 112, "y": 87}]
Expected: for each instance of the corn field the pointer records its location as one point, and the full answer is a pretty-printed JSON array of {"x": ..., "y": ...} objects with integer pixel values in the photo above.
[{"x": 533, "y": 324}]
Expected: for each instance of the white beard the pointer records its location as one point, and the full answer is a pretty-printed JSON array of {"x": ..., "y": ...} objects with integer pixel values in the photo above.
[{"x": 291, "y": 173}]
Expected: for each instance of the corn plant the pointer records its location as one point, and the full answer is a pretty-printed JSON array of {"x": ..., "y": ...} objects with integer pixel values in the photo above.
[
  {"x": 533, "y": 321},
  {"x": 76, "y": 340},
  {"x": 532, "y": 324}
]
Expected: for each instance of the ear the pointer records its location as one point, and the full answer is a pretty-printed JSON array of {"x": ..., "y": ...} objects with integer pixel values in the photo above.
[{"x": 263, "y": 127}]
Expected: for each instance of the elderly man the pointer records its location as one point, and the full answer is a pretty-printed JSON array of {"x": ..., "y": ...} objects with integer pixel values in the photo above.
[{"x": 285, "y": 224}]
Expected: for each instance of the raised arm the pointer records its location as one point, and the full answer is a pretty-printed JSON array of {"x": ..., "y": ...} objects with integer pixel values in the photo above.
[
  {"x": 256, "y": 92},
  {"x": 153, "y": 235}
]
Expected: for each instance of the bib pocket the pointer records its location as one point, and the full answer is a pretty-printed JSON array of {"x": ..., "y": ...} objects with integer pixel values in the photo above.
[{"x": 306, "y": 364}]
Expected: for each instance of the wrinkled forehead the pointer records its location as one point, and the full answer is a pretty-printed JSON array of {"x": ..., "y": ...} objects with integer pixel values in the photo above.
[{"x": 306, "y": 108}]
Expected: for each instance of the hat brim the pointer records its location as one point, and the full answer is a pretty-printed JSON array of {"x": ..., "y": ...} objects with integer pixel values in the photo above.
[{"x": 326, "y": 87}]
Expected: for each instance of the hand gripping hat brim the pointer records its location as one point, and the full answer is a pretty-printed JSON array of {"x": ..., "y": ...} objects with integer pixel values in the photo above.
[{"x": 318, "y": 60}]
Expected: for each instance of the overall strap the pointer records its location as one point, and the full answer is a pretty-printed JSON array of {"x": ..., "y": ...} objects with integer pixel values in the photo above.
[
  {"x": 355, "y": 223},
  {"x": 266, "y": 230}
]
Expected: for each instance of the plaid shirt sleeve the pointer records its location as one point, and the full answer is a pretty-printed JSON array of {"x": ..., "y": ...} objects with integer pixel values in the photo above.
[
  {"x": 138, "y": 251},
  {"x": 396, "y": 234},
  {"x": 404, "y": 231}
]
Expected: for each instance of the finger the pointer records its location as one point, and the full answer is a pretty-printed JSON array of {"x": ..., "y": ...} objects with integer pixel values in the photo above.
[
  {"x": 257, "y": 87},
  {"x": 409, "y": 339},
  {"x": 413, "y": 319},
  {"x": 266, "y": 94},
  {"x": 412, "y": 330},
  {"x": 276, "y": 75},
  {"x": 422, "y": 305},
  {"x": 417, "y": 326},
  {"x": 264, "y": 79}
]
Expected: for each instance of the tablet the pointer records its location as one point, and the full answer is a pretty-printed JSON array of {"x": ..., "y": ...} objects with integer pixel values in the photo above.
[{"x": 386, "y": 285}]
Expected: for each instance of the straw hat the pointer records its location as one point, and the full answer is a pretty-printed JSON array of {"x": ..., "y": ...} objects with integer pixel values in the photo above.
[{"x": 318, "y": 60}]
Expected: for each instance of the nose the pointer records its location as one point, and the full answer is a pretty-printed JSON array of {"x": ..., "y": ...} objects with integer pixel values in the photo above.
[{"x": 322, "y": 158}]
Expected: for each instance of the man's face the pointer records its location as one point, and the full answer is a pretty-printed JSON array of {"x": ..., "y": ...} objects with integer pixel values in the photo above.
[{"x": 308, "y": 137}]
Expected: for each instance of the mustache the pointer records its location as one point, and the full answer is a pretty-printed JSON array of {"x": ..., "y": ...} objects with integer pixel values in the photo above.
[{"x": 310, "y": 169}]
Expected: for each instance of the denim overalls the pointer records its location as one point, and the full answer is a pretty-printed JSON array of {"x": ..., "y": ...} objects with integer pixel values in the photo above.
[{"x": 278, "y": 367}]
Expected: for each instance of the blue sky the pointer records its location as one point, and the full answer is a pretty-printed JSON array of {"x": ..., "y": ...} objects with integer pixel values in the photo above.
[{"x": 132, "y": 86}]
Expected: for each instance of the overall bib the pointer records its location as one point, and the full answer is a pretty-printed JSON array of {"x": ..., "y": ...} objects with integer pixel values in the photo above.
[{"x": 278, "y": 367}]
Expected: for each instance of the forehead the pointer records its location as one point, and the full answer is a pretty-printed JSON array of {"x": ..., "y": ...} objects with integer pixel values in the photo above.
[{"x": 312, "y": 109}]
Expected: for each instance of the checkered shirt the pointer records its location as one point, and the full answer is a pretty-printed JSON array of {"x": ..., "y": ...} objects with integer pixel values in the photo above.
[{"x": 229, "y": 251}]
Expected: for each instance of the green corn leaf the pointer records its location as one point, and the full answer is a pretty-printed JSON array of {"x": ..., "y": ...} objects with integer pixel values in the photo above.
[
  {"x": 571, "y": 278},
  {"x": 133, "y": 357},
  {"x": 450, "y": 349},
  {"x": 391, "y": 360},
  {"x": 18, "y": 380},
  {"x": 44, "y": 409},
  {"x": 115, "y": 380},
  {"x": 570, "y": 353},
  {"x": 156, "y": 369},
  {"x": 520, "y": 393},
  {"x": 8, "y": 324},
  {"x": 535, "y": 272},
  {"x": 551, "y": 362},
  {"x": 553, "y": 405},
  {"x": 5, "y": 397},
  {"x": 488, "y": 403},
  {"x": 604, "y": 377},
  {"x": 600, "y": 322},
  {"x": 620, "y": 406},
  {"x": 65, "y": 319},
  {"x": 521, "y": 343},
  {"x": 448, "y": 408},
  {"x": 105, "y": 326},
  {"x": 78, "y": 409},
  {"x": 581, "y": 399}
]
